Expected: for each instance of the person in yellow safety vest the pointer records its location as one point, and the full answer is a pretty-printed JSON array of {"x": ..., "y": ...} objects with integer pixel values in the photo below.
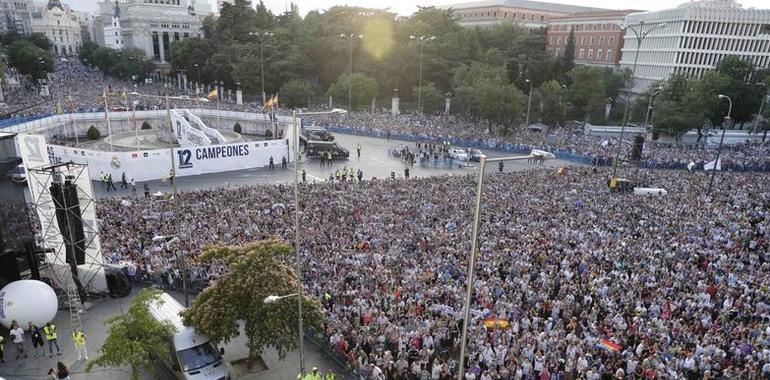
[
  {"x": 345, "y": 173},
  {"x": 80, "y": 344},
  {"x": 330, "y": 376},
  {"x": 2, "y": 349},
  {"x": 312, "y": 375},
  {"x": 50, "y": 335}
]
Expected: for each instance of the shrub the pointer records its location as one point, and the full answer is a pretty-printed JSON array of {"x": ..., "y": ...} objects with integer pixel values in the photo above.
[
  {"x": 268, "y": 133},
  {"x": 93, "y": 133},
  {"x": 237, "y": 128},
  {"x": 146, "y": 125}
]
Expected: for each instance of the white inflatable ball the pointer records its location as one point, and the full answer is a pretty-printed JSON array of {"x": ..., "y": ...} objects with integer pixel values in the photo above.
[{"x": 27, "y": 301}]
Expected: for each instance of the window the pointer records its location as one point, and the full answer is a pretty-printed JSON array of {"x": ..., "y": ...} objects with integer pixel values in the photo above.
[
  {"x": 558, "y": 40},
  {"x": 583, "y": 40},
  {"x": 592, "y": 41},
  {"x": 590, "y": 54},
  {"x": 611, "y": 41},
  {"x": 609, "y": 55},
  {"x": 601, "y": 41},
  {"x": 542, "y": 18},
  {"x": 582, "y": 53},
  {"x": 599, "y": 55}
]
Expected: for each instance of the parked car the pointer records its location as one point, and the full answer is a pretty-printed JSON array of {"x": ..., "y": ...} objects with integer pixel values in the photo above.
[{"x": 459, "y": 154}]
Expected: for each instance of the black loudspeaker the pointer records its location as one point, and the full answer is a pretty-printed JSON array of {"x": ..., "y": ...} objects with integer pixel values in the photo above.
[
  {"x": 70, "y": 220},
  {"x": 636, "y": 149},
  {"x": 9, "y": 267},
  {"x": 117, "y": 282}
]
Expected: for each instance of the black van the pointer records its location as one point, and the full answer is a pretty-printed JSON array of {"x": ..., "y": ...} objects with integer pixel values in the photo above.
[{"x": 315, "y": 148}]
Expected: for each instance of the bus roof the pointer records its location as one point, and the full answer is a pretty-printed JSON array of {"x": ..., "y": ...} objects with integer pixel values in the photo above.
[{"x": 167, "y": 309}]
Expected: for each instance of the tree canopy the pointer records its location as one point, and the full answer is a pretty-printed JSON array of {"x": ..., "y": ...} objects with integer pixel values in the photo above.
[{"x": 255, "y": 271}]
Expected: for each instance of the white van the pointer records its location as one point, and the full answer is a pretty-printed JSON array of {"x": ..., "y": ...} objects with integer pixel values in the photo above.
[{"x": 191, "y": 356}]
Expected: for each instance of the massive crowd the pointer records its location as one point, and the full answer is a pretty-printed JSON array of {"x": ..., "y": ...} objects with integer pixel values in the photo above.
[
  {"x": 571, "y": 282},
  {"x": 568, "y": 139}
]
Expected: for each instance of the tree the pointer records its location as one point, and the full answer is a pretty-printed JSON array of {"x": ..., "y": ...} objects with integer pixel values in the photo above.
[
  {"x": 237, "y": 128},
  {"x": 586, "y": 93},
  {"x": 255, "y": 271},
  {"x": 432, "y": 98},
  {"x": 553, "y": 109},
  {"x": 93, "y": 133},
  {"x": 134, "y": 338},
  {"x": 673, "y": 118},
  {"x": 40, "y": 40},
  {"x": 485, "y": 92},
  {"x": 295, "y": 93},
  {"x": 743, "y": 88},
  {"x": 146, "y": 125},
  {"x": 569, "y": 52},
  {"x": 29, "y": 59},
  {"x": 364, "y": 89}
]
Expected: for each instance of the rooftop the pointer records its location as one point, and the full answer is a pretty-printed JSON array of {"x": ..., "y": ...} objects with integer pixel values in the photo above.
[
  {"x": 529, "y": 4},
  {"x": 597, "y": 14}
]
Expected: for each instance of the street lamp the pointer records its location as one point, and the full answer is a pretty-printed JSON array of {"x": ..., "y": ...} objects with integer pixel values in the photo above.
[
  {"x": 261, "y": 37},
  {"x": 535, "y": 153},
  {"x": 168, "y": 240},
  {"x": 422, "y": 40},
  {"x": 298, "y": 260},
  {"x": 351, "y": 37},
  {"x": 529, "y": 102},
  {"x": 273, "y": 298},
  {"x": 641, "y": 34},
  {"x": 717, "y": 165},
  {"x": 653, "y": 93},
  {"x": 198, "y": 69},
  {"x": 759, "y": 113}
]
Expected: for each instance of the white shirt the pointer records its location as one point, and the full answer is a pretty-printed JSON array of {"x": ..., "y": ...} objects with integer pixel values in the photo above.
[{"x": 18, "y": 335}]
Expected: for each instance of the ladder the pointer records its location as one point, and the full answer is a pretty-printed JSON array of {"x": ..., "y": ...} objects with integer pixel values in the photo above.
[{"x": 73, "y": 299}]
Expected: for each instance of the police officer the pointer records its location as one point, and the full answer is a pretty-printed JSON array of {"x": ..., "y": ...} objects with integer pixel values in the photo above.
[
  {"x": 313, "y": 375},
  {"x": 406, "y": 173},
  {"x": 271, "y": 165},
  {"x": 500, "y": 166},
  {"x": 337, "y": 174},
  {"x": 360, "y": 175},
  {"x": 50, "y": 335},
  {"x": 344, "y": 173},
  {"x": 304, "y": 173},
  {"x": 146, "y": 190},
  {"x": 80, "y": 344},
  {"x": 37, "y": 340},
  {"x": 358, "y": 149},
  {"x": 283, "y": 162}
]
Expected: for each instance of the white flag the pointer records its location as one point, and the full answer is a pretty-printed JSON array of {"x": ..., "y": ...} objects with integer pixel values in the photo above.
[
  {"x": 690, "y": 166},
  {"x": 712, "y": 164}
]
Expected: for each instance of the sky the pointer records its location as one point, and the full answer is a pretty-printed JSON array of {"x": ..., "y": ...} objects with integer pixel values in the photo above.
[{"x": 407, "y": 7}]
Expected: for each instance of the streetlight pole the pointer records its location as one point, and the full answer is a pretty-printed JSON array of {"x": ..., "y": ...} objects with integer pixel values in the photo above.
[
  {"x": 423, "y": 40},
  {"x": 297, "y": 256},
  {"x": 640, "y": 36},
  {"x": 261, "y": 37},
  {"x": 653, "y": 94},
  {"x": 529, "y": 102},
  {"x": 721, "y": 140},
  {"x": 197, "y": 90},
  {"x": 351, "y": 37},
  {"x": 759, "y": 113},
  {"x": 474, "y": 244}
]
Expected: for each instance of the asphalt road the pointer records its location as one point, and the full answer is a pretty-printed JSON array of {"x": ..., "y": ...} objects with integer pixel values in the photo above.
[{"x": 375, "y": 161}]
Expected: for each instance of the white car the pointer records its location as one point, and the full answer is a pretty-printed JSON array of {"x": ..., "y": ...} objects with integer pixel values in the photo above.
[{"x": 459, "y": 154}]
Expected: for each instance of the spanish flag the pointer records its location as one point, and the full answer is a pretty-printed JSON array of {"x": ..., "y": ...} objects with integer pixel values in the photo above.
[
  {"x": 608, "y": 345},
  {"x": 213, "y": 95},
  {"x": 270, "y": 103},
  {"x": 123, "y": 96}
]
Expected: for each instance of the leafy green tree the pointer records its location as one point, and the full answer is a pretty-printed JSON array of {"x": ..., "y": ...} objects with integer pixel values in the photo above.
[
  {"x": 295, "y": 93},
  {"x": 672, "y": 118},
  {"x": 93, "y": 133},
  {"x": 255, "y": 271},
  {"x": 134, "y": 338},
  {"x": 484, "y": 92},
  {"x": 237, "y": 128},
  {"x": 703, "y": 98},
  {"x": 586, "y": 93},
  {"x": 568, "y": 60},
  {"x": 743, "y": 88},
  {"x": 432, "y": 98},
  {"x": 187, "y": 53},
  {"x": 146, "y": 125},
  {"x": 10, "y": 37},
  {"x": 236, "y": 20},
  {"x": 364, "y": 89},
  {"x": 40, "y": 40},
  {"x": 29, "y": 59},
  {"x": 553, "y": 109}
]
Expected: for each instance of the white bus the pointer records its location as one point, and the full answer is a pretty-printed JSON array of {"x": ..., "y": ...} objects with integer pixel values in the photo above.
[{"x": 190, "y": 356}]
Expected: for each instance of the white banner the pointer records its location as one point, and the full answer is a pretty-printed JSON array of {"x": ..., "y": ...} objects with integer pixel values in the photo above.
[{"x": 155, "y": 164}]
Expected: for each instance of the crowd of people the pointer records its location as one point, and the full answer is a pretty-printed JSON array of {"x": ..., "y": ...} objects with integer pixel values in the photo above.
[
  {"x": 570, "y": 281},
  {"x": 570, "y": 139}
]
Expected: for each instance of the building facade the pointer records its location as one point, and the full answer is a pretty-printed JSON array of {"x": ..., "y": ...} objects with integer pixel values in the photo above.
[
  {"x": 598, "y": 36},
  {"x": 150, "y": 25},
  {"x": 16, "y": 16},
  {"x": 697, "y": 36},
  {"x": 530, "y": 14},
  {"x": 60, "y": 24}
]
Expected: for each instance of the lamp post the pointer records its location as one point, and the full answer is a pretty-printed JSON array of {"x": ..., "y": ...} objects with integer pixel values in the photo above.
[
  {"x": 351, "y": 37},
  {"x": 759, "y": 113},
  {"x": 721, "y": 140},
  {"x": 641, "y": 34},
  {"x": 198, "y": 69},
  {"x": 529, "y": 102},
  {"x": 648, "y": 114},
  {"x": 261, "y": 37},
  {"x": 535, "y": 153},
  {"x": 298, "y": 259},
  {"x": 422, "y": 40}
]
